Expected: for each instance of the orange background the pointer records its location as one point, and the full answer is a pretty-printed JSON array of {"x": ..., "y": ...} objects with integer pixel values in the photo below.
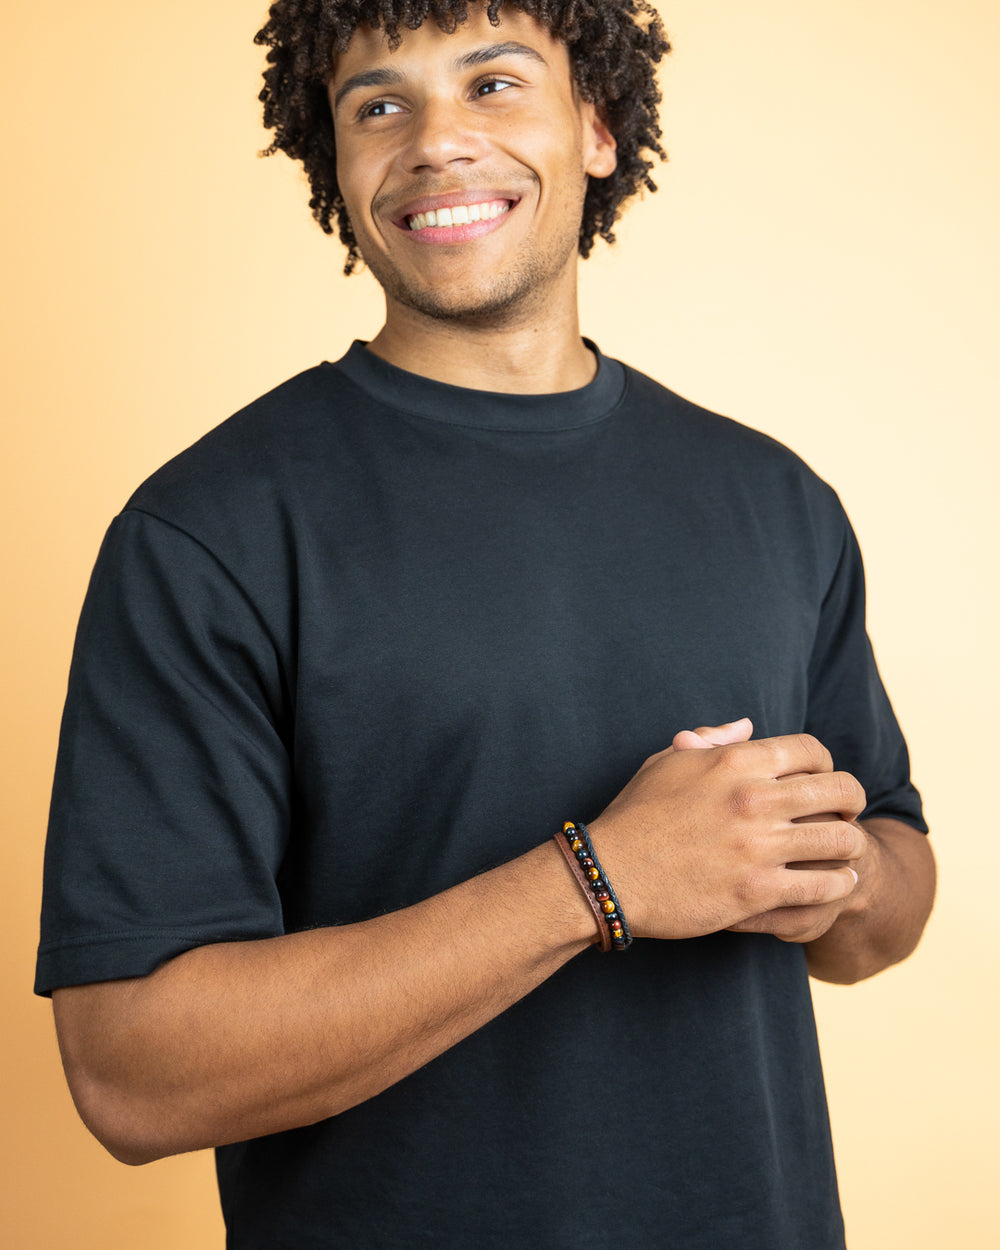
[{"x": 821, "y": 262}]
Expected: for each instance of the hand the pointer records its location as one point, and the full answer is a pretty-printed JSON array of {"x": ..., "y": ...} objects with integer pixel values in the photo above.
[
  {"x": 791, "y": 924},
  {"x": 704, "y": 835}
]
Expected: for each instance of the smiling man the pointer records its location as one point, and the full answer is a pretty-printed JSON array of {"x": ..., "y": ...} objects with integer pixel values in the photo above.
[
  {"x": 353, "y": 668},
  {"x": 454, "y": 139}
]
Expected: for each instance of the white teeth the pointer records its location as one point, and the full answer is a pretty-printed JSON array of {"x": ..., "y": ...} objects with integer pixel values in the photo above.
[{"x": 458, "y": 215}]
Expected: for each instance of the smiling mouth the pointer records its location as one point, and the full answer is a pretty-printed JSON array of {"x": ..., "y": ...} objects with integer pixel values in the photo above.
[{"x": 458, "y": 215}]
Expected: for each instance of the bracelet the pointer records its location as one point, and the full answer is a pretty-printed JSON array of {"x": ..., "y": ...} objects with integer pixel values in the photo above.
[{"x": 574, "y": 842}]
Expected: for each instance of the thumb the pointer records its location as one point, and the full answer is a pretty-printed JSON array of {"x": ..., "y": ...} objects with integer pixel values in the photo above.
[{"x": 714, "y": 735}]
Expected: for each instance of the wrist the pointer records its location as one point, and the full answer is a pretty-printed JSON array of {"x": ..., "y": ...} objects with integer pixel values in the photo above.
[
  {"x": 574, "y": 843},
  {"x": 568, "y": 920},
  {"x": 608, "y": 848}
]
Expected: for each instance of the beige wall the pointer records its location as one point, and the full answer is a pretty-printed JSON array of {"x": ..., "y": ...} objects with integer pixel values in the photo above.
[{"x": 821, "y": 262}]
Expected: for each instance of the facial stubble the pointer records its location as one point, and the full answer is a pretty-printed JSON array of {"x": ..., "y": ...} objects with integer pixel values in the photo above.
[{"x": 492, "y": 299}]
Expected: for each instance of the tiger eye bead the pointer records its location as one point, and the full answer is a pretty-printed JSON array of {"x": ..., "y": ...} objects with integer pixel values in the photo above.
[
  {"x": 576, "y": 845},
  {"x": 601, "y": 895},
  {"x": 608, "y": 907},
  {"x": 593, "y": 874}
]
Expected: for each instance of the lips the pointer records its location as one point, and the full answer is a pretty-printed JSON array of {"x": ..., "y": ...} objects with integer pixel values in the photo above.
[
  {"x": 454, "y": 210},
  {"x": 457, "y": 214}
]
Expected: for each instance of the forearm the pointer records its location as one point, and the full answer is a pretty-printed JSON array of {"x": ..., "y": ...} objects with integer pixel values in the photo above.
[
  {"x": 885, "y": 917},
  {"x": 239, "y": 1040}
]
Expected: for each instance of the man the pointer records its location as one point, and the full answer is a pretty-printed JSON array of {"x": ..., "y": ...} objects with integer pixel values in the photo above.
[{"x": 348, "y": 664}]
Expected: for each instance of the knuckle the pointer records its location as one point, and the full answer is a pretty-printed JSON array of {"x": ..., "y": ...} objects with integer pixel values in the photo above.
[
  {"x": 745, "y": 801},
  {"x": 858, "y": 842},
  {"x": 727, "y": 760},
  {"x": 793, "y": 924},
  {"x": 749, "y": 890},
  {"x": 850, "y": 793},
  {"x": 845, "y": 841},
  {"x": 810, "y": 891},
  {"x": 813, "y": 750}
]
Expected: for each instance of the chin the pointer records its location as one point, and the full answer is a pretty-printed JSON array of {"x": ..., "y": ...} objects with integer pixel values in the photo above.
[
  {"x": 483, "y": 307},
  {"x": 478, "y": 298},
  {"x": 483, "y": 298}
]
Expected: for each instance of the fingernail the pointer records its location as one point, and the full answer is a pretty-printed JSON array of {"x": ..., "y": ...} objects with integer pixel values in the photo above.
[{"x": 853, "y": 874}]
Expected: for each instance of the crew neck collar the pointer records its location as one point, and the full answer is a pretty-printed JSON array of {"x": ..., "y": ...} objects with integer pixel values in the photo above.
[{"x": 496, "y": 410}]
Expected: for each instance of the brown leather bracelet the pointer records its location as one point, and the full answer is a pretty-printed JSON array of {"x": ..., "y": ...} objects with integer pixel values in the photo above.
[{"x": 602, "y": 927}]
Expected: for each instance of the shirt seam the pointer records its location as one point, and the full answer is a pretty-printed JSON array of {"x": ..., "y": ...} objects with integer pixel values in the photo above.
[{"x": 401, "y": 409}]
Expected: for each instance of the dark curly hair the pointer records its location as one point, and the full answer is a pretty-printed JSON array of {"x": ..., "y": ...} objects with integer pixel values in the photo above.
[{"x": 613, "y": 46}]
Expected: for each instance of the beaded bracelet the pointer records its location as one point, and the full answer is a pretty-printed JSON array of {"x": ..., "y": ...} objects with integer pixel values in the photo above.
[{"x": 574, "y": 842}]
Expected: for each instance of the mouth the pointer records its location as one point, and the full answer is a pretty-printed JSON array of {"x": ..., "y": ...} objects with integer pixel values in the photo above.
[
  {"x": 458, "y": 215},
  {"x": 454, "y": 218}
]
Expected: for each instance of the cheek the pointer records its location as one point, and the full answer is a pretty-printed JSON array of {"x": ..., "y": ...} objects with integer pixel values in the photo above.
[
  {"x": 570, "y": 182},
  {"x": 362, "y": 178},
  {"x": 354, "y": 174}
]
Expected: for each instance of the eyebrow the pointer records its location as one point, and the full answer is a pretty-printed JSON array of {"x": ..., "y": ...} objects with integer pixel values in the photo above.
[{"x": 390, "y": 77}]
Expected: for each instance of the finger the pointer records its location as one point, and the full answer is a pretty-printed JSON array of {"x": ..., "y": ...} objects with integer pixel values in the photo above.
[
  {"x": 792, "y": 924},
  {"x": 824, "y": 844},
  {"x": 793, "y": 753},
  {"x": 714, "y": 735},
  {"x": 806, "y": 888},
  {"x": 816, "y": 795}
]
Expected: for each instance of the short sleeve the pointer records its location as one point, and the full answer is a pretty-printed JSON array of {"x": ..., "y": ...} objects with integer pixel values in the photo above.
[
  {"x": 172, "y": 796},
  {"x": 849, "y": 710}
]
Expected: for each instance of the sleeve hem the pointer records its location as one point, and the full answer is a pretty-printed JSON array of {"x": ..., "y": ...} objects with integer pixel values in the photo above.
[{"x": 115, "y": 957}]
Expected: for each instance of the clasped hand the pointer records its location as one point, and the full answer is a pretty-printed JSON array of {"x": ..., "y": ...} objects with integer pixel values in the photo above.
[{"x": 721, "y": 832}]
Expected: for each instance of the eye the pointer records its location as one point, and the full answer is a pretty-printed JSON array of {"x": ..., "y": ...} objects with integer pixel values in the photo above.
[
  {"x": 490, "y": 86},
  {"x": 379, "y": 108}
]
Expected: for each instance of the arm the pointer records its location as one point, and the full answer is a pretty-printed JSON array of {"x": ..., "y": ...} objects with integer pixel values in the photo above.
[{"x": 238, "y": 1040}]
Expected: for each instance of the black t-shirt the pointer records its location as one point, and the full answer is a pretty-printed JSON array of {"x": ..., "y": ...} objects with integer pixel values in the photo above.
[{"x": 376, "y": 634}]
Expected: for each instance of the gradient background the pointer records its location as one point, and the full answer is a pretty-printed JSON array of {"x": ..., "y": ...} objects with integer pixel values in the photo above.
[{"x": 821, "y": 262}]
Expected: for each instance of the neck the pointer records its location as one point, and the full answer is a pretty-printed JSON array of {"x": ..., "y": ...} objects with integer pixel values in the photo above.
[{"x": 522, "y": 355}]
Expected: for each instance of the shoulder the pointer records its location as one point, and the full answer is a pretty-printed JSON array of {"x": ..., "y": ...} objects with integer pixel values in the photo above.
[
  {"x": 716, "y": 442},
  {"x": 737, "y": 470},
  {"x": 259, "y": 444},
  {"x": 709, "y": 434},
  {"x": 246, "y": 492}
]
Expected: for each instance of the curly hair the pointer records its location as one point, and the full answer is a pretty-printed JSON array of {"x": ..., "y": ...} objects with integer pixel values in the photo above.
[{"x": 614, "y": 46}]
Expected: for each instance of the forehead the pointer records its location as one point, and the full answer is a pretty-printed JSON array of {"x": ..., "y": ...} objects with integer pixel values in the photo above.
[{"x": 428, "y": 47}]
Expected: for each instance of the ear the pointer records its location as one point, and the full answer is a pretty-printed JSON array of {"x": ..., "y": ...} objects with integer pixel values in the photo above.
[{"x": 600, "y": 151}]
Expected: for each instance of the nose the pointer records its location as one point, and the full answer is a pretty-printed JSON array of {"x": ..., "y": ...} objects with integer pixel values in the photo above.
[{"x": 441, "y": 134}]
